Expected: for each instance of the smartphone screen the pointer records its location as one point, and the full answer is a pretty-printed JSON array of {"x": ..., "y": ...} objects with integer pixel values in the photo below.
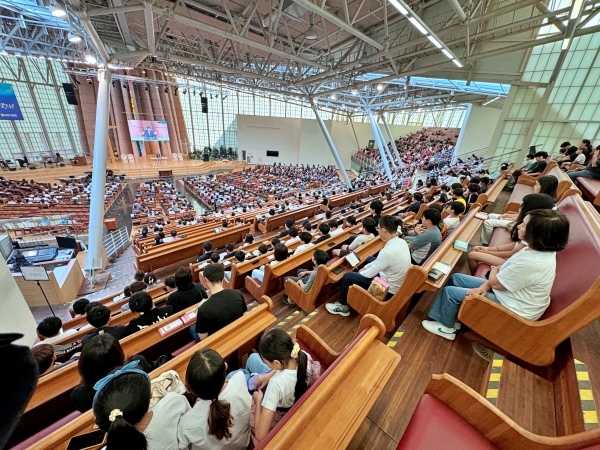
[{"x": 88, "y": 440}]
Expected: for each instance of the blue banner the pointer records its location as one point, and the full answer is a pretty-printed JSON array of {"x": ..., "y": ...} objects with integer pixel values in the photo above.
[{"x": 9, "y": 107}]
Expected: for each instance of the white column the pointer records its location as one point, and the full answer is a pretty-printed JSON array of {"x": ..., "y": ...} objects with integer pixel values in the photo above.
[
  {"x": 94, "y": 260},
  {"x": 380, "y": 144},
  {"x": 391, "y": 136},
  {"x": 331, "y": 146},
  {"x": 385, "y": 147}
]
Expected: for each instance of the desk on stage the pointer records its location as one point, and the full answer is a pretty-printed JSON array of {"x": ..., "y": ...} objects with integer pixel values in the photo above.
[
  {"x": 165, "y": 173},
  {"x": 159, "y": 161},
  {"x": 79, "y": 161}
]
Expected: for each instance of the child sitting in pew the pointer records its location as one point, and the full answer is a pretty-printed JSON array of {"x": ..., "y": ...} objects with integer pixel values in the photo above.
[
  {"x": 369, "y": 227},
  {"x": 306, "y": 278},
  {"x": 280, "y": 252},
  {"x": 220, "y": 417},
  {"x": 99, "y": 317},
  {"x": 141, "y": 302},
  {"x": 286, "y": 372},
  {"x": 78, "y": 307},
  {"x": 121, "y": 408},
  {"x": 99, "y": 356},
  {"x": 240, "y": 257},
  {"x": 306, "y": 238}
]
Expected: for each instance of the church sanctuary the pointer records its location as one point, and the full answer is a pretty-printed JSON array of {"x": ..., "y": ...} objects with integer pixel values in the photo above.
[{"x": 300, "y": 224}]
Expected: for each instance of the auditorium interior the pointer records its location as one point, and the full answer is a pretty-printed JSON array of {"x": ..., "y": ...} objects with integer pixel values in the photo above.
[{"x": 343, "y": 165}]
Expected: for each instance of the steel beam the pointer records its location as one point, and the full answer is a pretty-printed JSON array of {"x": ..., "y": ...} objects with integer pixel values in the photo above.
[
  {"x": 338, "y": 22},
  {"x": 391, "y": 136},
  {"x": 338, "y": 160},
  {"x": 380, "y": 145},
  {"x": 149, "y": 22}
]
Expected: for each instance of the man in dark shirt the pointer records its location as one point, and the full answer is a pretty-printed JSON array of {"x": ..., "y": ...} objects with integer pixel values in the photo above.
[
  {"x": 207, "y": 251},
  {"x": 324, "y": 229},
  {"x": 187, "y": 293},
  {"x": 141, "y": 302},
  {"x": 540, "y": 163},
  {"x": 288, "y": 224},
  {"x": 415, "y": 205},
  {"x": 222, "y": 308},
  {"x": 98, "y": 317},
  {"x": 230, "y": 251}
]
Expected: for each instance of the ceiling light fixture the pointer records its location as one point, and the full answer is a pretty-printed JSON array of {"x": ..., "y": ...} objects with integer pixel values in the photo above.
[
  {"x": 417, "y": 24},
  {"x": 354, "y": 92},
  {"x": 58, "y": 11},
  {"x": 311, "y": 33},
  {"x": 90, "y": 58},
  {"x": 380, "y": 87},
  {"x": 333, "y": 97},
  {"x": 457, "y": 63},
  {"x": 399, "y": 7},
  {"x": 434, "y": 41},
  {"x": 74, "y": 38}
]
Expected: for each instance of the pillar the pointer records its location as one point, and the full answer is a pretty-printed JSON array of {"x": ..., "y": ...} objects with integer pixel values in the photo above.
[
  {"x": 158, "y": 113},
  {"x": 96, "y": 227},
  {"x": 146, "y": 113},
  {"x": 331, "y": 146},
  {"x": 165, "y": 99},
  {"x": 391, "y": 136},
  {"x": 380, "y": 145},
  {"x": 120, "y": 114},
  {"x": 385, "y": 146},
  {"x": 184, "y": 140}
]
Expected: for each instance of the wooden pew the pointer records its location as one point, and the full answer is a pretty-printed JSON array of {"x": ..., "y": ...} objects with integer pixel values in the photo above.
[
  {"x": 393, "y": 311},
  {"x": 574, "y": 297},
  {"x": 330, "y": 413},
  {"x": 340, "y": 200},
  {"x": 273, "y": 274},
  {"x": 278, "y": 220},
  {"x": 495, "y": 189},
  {"x": 237, "y": 339},
  {"x": 184, "y": 249}
]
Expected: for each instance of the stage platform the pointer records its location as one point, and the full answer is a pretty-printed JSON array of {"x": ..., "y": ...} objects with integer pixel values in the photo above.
[{"x": 141, "y": 169}]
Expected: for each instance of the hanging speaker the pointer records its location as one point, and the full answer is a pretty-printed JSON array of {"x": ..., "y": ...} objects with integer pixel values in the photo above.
[
  {"x": 204, "y": 102},
  {"x": 70, "y": 93}
]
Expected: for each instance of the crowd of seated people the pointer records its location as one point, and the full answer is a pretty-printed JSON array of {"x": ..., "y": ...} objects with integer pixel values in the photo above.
[{"x": 160, "y": 202}]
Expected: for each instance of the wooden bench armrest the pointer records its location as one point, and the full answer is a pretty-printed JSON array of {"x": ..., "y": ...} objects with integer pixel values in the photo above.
[
  {"x": 496, "y": 426},
  {"x": 512, "y": 207},
  {"x": 526, "y": 180},
  {"x": 317, "y": 346}
]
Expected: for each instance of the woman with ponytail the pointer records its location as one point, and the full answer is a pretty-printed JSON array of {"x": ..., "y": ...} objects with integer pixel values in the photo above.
[
  {"x": 121, "y": 408},
  {"x": 291, "y": 372},
  {"x": 220, "y": 418}
]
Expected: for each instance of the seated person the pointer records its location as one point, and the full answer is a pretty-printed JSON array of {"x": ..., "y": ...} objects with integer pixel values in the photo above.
[
  {"x": 151, "y": 280},
  {"x": 240, "y": 257},
  {"x": 306, "y": 278},
  {"x": 221, "y": 416},
  {"x": 207, "y": 252},
  {"x": 188, "y": 293},
  {"x": 248, "y": 240},
  {"x": 293, "y": 234},
  {"x": 222, "y": 307},
  {"x": 44, "y": 357},
  {"x": 592, "y": 170},
  {"x": 444, "y": 196},
  {"x": 281, "y": 254},
  {"x": 263, "y": 249},
  {"x": 50, "y": 331},
  {"x": 495, "y": 256},
  {"x": 484, "y": 184},
  {"x": 306, "y": 226},
  {"x": 426, "y": 236},
  {"x": 415, "y": 205},
  {"x": 141, "y": 302},
  {"x": 324, "y": 229},
  {"x": 170, "y": 283},
  {"x": 134, "y": 287},
  {"x": 289, "y": 223},
  {"x": 78, "y": 306},
  {"x": 376, "y": 207},
  {"x": 334, "y": 228},
  {"x": 579, "y": 159},
  {"x": 529, "y": 203},
  {"x": 229, "y": 251},
  {"x": 306, "y": 238},
  {"x": 391, "y": 265},
  {"x": 457, "y": 196},
  {"x": 472, "y": 193},
  {"x": 367, "y": 233},
  {"x": 139, "y": 275},
  {"x": 452, "y": 220},
  {"x": 215, "y": 257},
  {"x": 522, "y": 284},
  {"x": 99, "y": 317},
  {"x": 539, "y": 165}
]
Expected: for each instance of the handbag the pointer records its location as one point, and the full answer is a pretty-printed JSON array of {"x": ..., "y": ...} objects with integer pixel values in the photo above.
[
  {"x": 168, "y": 381},
  {"x": 379, "y": 288}
]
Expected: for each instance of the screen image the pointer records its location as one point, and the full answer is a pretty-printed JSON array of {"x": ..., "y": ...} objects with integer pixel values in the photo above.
[
  {"x": 148, "y": 130},
  {"x": 9, "y": 106}
]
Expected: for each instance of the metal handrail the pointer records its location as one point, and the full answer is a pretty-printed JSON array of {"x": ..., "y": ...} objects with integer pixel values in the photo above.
[{"x": 115, "y": 242}]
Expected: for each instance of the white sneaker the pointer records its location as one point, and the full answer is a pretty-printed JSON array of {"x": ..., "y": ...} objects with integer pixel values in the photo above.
[
  {"x": 338, "y": 308},
  {"x": 437, "y": 328},
  {"x": 457, "y": 326}
]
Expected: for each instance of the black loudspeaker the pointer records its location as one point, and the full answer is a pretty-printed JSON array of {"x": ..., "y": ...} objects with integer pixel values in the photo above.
[
  {"x": 204, "y": 102},
  {"x": 205, "y": 157},
  {"x": 70, "y": 93}
]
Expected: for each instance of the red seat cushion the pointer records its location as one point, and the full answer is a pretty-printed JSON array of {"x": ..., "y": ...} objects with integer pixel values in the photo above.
[
  {"x": 434, "y": 425},
  {"x": 332, "y": 260},
  {"x": 46, "y": 431},
  {"x": 578, "y": 265},
  {"x": 589, "y": 187},
  {"x": 500, "y": 237},
  {"x": 520, "y": 191},
  {"x": 258, "y": 281}
]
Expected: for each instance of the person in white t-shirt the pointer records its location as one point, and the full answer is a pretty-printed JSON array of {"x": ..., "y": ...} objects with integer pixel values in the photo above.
[
  {"x": 121, "y": 408},
  {"x": 220, "y": 419},
  {"x": 522, "y": 284},
  {"x": 454, "y": 210},
  {"x": 369, "y": 227},
  {"x": 306, "y": 238}
]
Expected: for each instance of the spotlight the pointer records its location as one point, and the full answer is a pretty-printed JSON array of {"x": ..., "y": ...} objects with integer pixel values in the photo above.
[
  {"x": 333, "y": 97},
  {"x": 90, "y": 58},
  {"x": 147, "y": 88},
  {"x": 58, "y": 11},
  {"x": 166, "y": 89},
  {"x": 176, "y": 90},
  {"x": 184, "y": 91},
  {"x": 89, "y": 80},
  {"x": 310, "y": 33},
  {"x": 194, "y": 91},
  {"x": 123, "y": 85},
  {"x": 354, "y": 92},
  {"x": 74, "y": 38},
  {"x": 113, "y": 83},
  {"x": 380, "y": 87}
]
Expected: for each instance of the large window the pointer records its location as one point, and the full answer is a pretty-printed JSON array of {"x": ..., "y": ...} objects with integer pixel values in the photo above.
[{"x": 50, "y": 124}]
